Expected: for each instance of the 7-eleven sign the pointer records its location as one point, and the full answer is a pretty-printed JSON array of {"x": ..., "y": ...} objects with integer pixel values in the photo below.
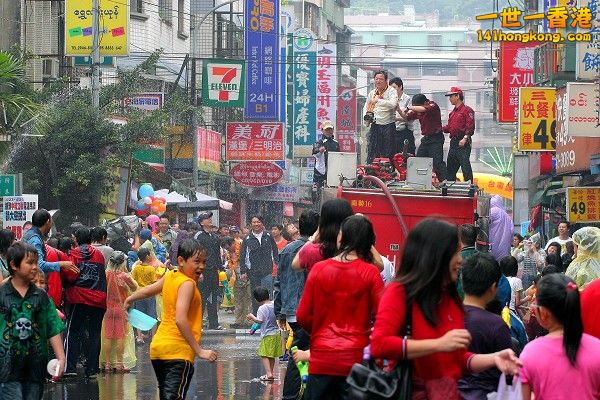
[{"x": 223, "y": 83}]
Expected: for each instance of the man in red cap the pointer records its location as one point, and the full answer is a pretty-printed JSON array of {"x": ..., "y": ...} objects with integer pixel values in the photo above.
[{"x": 461, "y": 126}]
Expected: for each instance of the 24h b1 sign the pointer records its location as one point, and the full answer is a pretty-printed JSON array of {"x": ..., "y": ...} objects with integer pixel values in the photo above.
[{"x": 223, "y": 83}]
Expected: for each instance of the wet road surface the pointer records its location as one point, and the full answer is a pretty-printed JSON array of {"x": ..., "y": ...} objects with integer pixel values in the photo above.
[{"x": 233, "y": 376}]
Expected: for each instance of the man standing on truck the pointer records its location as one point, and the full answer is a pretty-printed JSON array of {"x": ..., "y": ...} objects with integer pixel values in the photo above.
[
  {"x": 404, "y": 129},
  {"x": 432, "y": 144},
  {"x": 321, "y": 151},
  {"x": 461, "y": 127},
  {"x": 379, "y": 114}
]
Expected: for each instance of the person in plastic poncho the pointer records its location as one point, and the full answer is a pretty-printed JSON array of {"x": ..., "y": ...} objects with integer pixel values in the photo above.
[
  {"x": 501, "y": 229},
  {"x": 586, "y": 265}
]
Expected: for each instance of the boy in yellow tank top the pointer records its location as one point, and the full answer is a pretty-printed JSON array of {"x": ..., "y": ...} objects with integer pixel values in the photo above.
[{"x": 176, "y": 343}]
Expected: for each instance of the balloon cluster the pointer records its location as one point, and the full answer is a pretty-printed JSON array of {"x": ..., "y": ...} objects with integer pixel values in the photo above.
[{"x": 148, "y": 203}]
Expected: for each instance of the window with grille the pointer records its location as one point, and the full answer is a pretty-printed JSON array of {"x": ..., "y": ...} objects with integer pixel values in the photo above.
[
  {"x": 136, "y": 6},
  {"x": 180, "y": 16},
  {"x": 165, "y": 11}
]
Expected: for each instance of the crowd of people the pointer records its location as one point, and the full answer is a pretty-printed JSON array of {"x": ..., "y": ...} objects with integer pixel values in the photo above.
[{"x": 460, "y": 316}]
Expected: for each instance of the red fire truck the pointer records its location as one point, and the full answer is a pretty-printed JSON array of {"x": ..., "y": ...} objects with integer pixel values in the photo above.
[{"x": 394, "y": 209}]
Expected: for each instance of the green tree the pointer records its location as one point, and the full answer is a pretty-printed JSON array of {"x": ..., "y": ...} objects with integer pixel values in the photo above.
[{"x": 73, "y": 165}]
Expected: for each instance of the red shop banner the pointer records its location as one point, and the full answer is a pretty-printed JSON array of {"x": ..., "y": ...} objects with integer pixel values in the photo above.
[
  {"x": 515, "y": 65},
  {"x": 256, "y": 173},
  {"x": 260, "y": 141},
  {"x": 346, "y": 110},
  {"x": 347, "y": 142}
]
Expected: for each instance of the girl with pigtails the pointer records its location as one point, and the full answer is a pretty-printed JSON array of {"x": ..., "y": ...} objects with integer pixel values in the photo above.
[{"x": 565, "y": 364}]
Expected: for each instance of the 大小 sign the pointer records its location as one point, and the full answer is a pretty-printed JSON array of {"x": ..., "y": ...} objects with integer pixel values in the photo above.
[
  {"x": 515, "y": 71},
  {"x": 537, "y": 119},
  {"x": 222, "y": 83},
  {"x": 583, "y": 204},
  {"x": 255, "y": 141},
  {"x": 114, "y": 17}
]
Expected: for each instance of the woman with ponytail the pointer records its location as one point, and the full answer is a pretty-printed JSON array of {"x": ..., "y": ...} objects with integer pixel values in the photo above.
[{"x": 565, "y": 364}]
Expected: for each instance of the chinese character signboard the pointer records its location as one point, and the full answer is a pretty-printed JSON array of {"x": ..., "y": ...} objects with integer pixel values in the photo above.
[
  {"x": 17, "y": 210},
  {"x": 326, "y": 83},
  {"x": 588, "y": 53},
  {"x": 289, "y": 193},
  {"x": 113, "y": 28},
  {"x": 583, "y": 204},
  {"x": 346, "y": 119},
  {"x": 209, "y": 149},
  {"x": 582, "y": 117},
  {"x": 7, "y": 185},
  {"x": 305, "y": 92},
  {"x": 223, "y": 83},
  {"x": 516, "y": 70},
  {"x": 256, "y": 173},
  {"x": 144, "y": 101},
  {"x": 262, "y": 141},
  {"x": 537, "y": 119},
  {"x": 262, "y": 57},
  {"x": 572, "y": 153}
]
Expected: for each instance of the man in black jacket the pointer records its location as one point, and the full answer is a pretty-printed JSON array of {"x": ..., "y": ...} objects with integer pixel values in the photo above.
[
  {"x": 257, "y": 255},
  {"x": 321, "y": 151},
  {"x": 209, "y": 287}
]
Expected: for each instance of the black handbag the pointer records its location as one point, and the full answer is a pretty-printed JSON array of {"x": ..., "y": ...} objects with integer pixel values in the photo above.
[{"x": 373, "y": 383}]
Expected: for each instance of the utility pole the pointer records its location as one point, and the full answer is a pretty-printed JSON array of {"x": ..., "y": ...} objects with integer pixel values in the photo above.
[
  {"x": 95, "y": 54},
  {"x": 194, "y": 128}
]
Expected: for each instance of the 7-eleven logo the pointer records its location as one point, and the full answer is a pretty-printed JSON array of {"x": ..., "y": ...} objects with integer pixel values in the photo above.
[{"x": 224, "y": 82}]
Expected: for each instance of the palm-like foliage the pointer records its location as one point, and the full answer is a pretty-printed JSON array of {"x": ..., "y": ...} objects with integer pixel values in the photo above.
[{"x": 15, "y": 108}]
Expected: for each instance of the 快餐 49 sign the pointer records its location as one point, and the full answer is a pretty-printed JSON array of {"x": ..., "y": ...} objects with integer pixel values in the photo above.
[{"x": 537, "y": 119}]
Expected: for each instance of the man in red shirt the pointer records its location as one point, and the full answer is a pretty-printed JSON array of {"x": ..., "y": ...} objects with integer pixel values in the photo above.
[
  {"x": 461, "y": 126},
  {"x": 432, "y": 143}
]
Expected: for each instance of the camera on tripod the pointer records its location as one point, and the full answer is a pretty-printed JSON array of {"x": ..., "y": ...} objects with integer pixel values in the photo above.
[{"x": 369, "y": 117}]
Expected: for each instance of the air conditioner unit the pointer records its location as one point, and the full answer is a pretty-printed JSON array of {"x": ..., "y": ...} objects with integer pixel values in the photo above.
[{"x": 49, "y": 68}]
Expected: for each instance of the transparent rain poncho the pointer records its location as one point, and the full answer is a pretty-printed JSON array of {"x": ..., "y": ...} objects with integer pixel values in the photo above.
[{"x": 586, "y": 266}]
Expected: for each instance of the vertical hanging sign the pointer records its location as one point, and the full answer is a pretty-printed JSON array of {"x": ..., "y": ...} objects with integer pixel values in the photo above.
[
  {"x": 326, "y": 83},
  {"x": 262, "y": 59},
  {"x": 305, "y": 91}
]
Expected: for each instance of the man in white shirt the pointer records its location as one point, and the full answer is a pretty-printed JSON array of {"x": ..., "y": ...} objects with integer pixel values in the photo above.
[
  {"x": 404, "y": 129},
  {"x": 562, "y": 238},
  {"x": 380, "y": 115}
]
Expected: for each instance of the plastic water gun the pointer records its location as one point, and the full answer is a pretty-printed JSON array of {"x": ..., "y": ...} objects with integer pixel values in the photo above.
[
  {"x": 225, "y": 284},
  {"x": 506, "y": 315},
  {"x": 302, "y": 367},
  {"x": 255, "y": 326},
  {"x": 290, "y": 339}
]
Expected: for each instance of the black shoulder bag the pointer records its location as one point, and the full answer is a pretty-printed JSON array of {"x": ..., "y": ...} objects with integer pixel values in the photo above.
[{"x": 373, "y": 383}]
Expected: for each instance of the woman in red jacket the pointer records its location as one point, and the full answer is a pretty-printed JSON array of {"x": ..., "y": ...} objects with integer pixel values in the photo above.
[
  {"x": 438, "y": 346},
  {"x": 337, "y": 308}
]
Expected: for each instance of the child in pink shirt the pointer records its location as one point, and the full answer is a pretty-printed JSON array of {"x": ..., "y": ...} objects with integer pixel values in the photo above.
[{"x": 565, "y": 364}]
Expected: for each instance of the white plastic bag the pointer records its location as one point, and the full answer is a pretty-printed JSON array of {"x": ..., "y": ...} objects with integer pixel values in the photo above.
[{"x": 507, "y": 392}]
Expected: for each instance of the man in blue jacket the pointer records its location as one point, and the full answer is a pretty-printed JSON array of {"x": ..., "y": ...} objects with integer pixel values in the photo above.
[
  {"x": 41, "y": 224},
  {"x": 289, "y": 285}
]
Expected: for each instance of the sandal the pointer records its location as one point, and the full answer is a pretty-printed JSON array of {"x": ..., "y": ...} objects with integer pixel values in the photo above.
[
  {"x": 120, "y": 369},
  {"x": 107, "y": 368},
  {"x": 265, "y": 378}
]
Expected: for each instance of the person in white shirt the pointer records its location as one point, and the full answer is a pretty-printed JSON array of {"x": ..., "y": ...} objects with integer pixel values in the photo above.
[
  {"x": 404, "y": 129},
  {"x": 380, "y": 115},
  {"x": 562, "y": 238}
]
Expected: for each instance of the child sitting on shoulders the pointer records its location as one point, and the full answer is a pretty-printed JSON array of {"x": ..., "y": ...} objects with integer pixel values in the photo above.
[{"x": 270, "y": 343}]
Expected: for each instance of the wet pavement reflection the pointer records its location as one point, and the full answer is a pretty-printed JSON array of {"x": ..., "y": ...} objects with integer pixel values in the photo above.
[{"x": 233, "y": 376}]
